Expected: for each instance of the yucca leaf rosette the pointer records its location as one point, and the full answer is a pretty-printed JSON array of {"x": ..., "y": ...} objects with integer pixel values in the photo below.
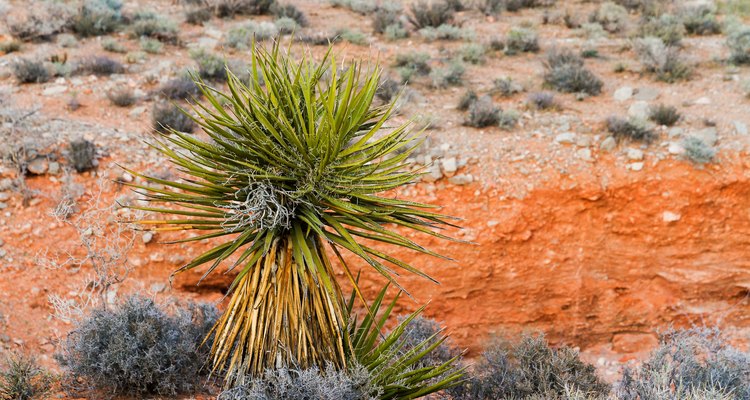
[{"x": 293, "y": 170}]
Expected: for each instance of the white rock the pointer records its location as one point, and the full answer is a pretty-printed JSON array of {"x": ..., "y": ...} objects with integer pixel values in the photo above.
[
  {"x": 566, "y": 138},
  {"x": 433, "y": 173},
  {"x": 703, "y": 101},
  {"x": 38, "y": 166},
  {"x": 675, "y": 131},
  {"x": 608, "y": 144},
  {"x": 709, "y": 135},
  {"x": 584, "y": 154},
  {"x": 635, "y": 154},
  {"x": 450, "y": 166},
  {"x": 461, "y": 179},
  {"x": 54, "y": 90},
  {"x": 623, "y": 93},
  {"x": 669, "y": 216},
  {"x": 675, "y": 148},
  {"x": 636, "y": 166},
  {"x": 583, "y": 141},
  {"x": 740, "y": 128},
  {"x": 646, "y": 94},
  {"x": 147, "y": 237},
  {"x": 639, "y": 109}
]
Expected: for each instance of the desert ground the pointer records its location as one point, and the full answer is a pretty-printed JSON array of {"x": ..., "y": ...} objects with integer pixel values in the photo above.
[{"x": 568, "y": 227}]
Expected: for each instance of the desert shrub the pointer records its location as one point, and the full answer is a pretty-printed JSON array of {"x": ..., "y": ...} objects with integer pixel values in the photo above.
[
  {"x": 446, "y": 32},
  {"x": 422, "y": 330},
  {"x": 154, "y": 26},
  {"x": 166, "y": 116},
  {"x": 23, "y": 379},
  {"x": 181, "y": 88},
  {"x": 432, "y": 13},
  {"x": 529, "y": 369},
  {"x": 700, "y": 20},
  {"x": 363, "y": 7},
  {"x": 665, "y": 62},
  {"x": 483, "y": 113},
  {"x": 289, "y": 11},
  {"x": 395, "y": 32},
  {"x": 354, "y": 36},
  {"x": 542, "y": 100},
  {"x": 506, "y": 87},
  {"x": 521, "y": 40},
  {"x": 467, "y": 99},
  {"x": 210, "y": 65},
  {"x": 686, "y": 361},
  {"x": 138, "y": 348},
  {"x": 666, "y": 27},
  {"x": 630, "y": 129},
  {"x": 565, "y": 72},
  {"x": 508, "y": 119},
  {"x": 151, "y": 46},
  {"x": 386, "y": 15},
  {"x": 230, "y": 8},
  {"x": 612, "y": 17},
  {"x": 121, "y": 96},
  {"x": 663, "y": 114},
  {"x": 241, "y": 37},
  {"x": 515, "y": 5},
  {"x": 412, "y": 64},
  {"x": 112, "y": 45},
  {"x": 738, "y": 42},
  {"x": 388, "y": 89},
  {"x": 286, "y": 25},
  {"x": 198, "y": 16},
  {"x": 449, "y": 75},
  {"x": 28, "y": 71},
  {"x": 490, "y": 7},
  {"x": 82, "y": 155},
  {"x": 295, "y": 384},
  {"x": 473, "y": 53},
  {"x": 10, "y": 46},
  {"x": 699, "y": 152},
  {"x": 67, "y": 41},
  {"x": 98, "y": 65},
  {"x": 40, "y": 22},
  {"x": 97, "y": 17}
]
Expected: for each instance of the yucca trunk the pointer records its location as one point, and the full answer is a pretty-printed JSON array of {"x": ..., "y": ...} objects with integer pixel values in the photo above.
[{"x": 281, "y": 314}]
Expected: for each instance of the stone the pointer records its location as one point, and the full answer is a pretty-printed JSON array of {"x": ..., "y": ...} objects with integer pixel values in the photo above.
[
  {"x": 54, "y": 168},
  {"x": 38, "y": 166},
  {"x": 584, "y": 154},
  {"x": 675, "y": 148},
  {"x": 583, "y": 141},
  {"x": 639, "y": 109},
  {"x": 740, "y": 127},
  {"x": 3, "y": 205},
  {"x": 461, "y": 179},
  {"x": 158, "y": 287},
  {"x": 668, "y": 216},
  {"x": 703, "y": 101},
  {"x": 433, "y": 174},
  {"x": 450, "y": 166},
  {"x": 147, "y": 237},
  {"x": 636, "y": 166},
  {"x": 136, "y": 112},
  {"x": 54, "y": 90},
  {"x": 4, "y": 196},
  {"x": 608, "y": 144},
  {"x": 633, "y": 342},
  {"x": 646, "y": 94},
  {"x": 708, "y": 135},
  {"x": 624, "y": 93},
  {"x": 635, "y": 154},
  {"x": 675, "y": 132},
  {"x": 566, "y": 138}
]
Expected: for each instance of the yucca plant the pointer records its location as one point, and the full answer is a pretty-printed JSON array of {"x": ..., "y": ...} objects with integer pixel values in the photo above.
[{"x": 290, "y": 168}]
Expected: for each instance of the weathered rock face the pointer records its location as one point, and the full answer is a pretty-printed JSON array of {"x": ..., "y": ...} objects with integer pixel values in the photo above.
[{"x": 592, "y": 266}]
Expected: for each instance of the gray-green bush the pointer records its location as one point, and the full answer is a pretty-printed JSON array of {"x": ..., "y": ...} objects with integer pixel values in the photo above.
[
  {"x": 29, "y": 71},
  {"x": 565, "y": 72},
  {"x": 138, "y": 348},
  {"x": 168, "y": 115},
  {"x": 630, "y": 129},
  {"x": 483, "y": 113},
  {"x": 425, "y": 13},
  {"x": 21, "y": 378}
]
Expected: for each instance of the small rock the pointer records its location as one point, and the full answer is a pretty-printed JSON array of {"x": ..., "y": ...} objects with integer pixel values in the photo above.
[
  {"x": 4, "y": 196},
  {"x": 703, "y": 101},
  {"x": 38, "y": 166},
  {"x": 623, "y": 93},
  {"x": 708, "y": 135},
  {"x": 608, "y": 144},
  {"x": 147, "y": 237},
  {"x": 583, "y": 141},
  {"x": 584, "y": 154},
  {"x": 675, "y": 148},
  {"x": 740, "y": 128},
  {"x": 635, "y": 154},
  {"x": 566, "y": 138},
  {"x": 136, "y": 112},
  {"x": 54, "y": 168},
  {"x": 3, "y": 206},
  {"x": 158, "y": 287},
  {"x": 450, "y": 166},
  {"x": 646, "y": 94},
  {"x": 669, "y": 216},
  {"x": 433, "y": 174},
  {"x": 54, "y": 90},
  {"x": 639, "y": 109},
  {"x": 461, "y": 179},
  {"x": 3, "y": 252},
  {"x": 636, "y": 166},
  {"x": 675, "y": 132}
]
